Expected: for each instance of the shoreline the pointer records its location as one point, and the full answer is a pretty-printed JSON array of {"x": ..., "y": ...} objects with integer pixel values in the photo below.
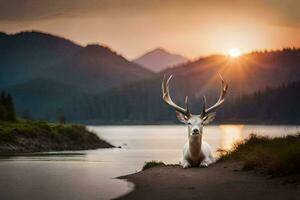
[
  {"x": 175, "y": 123},
  {"x": 225, "y": 180},
  {"x": 24, "y": 136},
  {"x": 37, "y": 146}
]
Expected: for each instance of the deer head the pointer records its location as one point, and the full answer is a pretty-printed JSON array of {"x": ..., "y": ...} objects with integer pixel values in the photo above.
[{"x": 195, "y": 122}]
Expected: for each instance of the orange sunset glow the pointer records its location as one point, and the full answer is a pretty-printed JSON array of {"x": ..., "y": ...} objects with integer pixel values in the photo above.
[
  {"x": 149, "y": 99},
  {"x": 191, "y": 28}
]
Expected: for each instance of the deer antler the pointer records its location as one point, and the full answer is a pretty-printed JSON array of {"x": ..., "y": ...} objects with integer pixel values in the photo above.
[
  {"x": 167, "y": 98},
  {"x": 220, "y": 101}
]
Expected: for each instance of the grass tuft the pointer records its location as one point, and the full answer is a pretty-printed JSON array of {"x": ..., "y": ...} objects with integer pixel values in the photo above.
[
  {"x": 152, "y": 163},
  {"x": 274, "y": 156}
]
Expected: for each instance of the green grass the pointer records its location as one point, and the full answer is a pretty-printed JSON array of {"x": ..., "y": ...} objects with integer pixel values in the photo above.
[
  {"x": 275, "y": 156},
  {"x": 33, "y": 129},
  {"x": 35, "y": 135},
  {"x": 152, "y": 163}
]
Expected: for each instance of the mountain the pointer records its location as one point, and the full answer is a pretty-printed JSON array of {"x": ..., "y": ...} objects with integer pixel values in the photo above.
[
  {"x": 47, "y": 74},
  {"x": 247, "y": 74},
  {"x": 141, "y": 101},
  {"x": 25, "y": 55},
  {"x": 159, "y": 59},
  {"x": 96, "y": 68},
  {"x": 30, "y": 55}
]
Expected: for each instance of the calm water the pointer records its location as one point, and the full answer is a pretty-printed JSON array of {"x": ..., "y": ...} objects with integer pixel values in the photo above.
[{"x": 91, "y": 174}]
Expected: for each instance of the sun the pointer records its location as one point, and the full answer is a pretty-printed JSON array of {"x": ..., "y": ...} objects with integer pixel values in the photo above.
[{"x": 234, "y": 52}]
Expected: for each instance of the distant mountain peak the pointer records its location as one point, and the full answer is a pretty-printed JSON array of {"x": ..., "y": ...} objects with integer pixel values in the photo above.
[
  {"x": 159, "y": 49},
  {"x": 159, "y": 59}
]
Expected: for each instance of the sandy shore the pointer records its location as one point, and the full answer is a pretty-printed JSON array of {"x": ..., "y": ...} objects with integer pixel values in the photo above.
[{"x": 219, "y": 181}]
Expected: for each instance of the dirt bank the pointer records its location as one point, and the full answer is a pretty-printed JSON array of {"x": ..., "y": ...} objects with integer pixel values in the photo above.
[{"x": 219, "y": 181}]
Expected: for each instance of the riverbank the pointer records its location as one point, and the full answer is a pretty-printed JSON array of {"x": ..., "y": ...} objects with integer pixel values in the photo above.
[
  {"x": 225, "y": 180},
  {"x": 256, "y": 168},
  {"x": 278, "y": 156},
  {"x": 25, "y": 136}
]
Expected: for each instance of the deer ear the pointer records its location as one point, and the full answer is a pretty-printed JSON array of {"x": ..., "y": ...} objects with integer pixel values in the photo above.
[
  {"x": 209, "y": 118},
  {"x": 181, "y": 117}
]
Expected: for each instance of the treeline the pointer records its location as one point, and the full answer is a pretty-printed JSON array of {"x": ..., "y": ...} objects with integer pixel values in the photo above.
[
  {"x": 271, "y": 105},
  {"x": 274, "y": 105},
  {"x": 133, "y": 106},
  {"x": 285, "y": 49},
  {"x": 7, "y": 110}
]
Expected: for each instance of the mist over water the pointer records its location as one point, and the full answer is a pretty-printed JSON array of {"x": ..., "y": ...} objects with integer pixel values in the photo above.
[{"x": 91, "y": 174}]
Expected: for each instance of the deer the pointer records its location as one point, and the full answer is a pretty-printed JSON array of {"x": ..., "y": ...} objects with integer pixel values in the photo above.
[{"x": 196, "y": 153}]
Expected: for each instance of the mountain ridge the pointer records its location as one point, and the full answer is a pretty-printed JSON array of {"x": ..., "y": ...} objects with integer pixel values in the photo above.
[
  {"x": 141, "y": 101},
  {"x": 159, "y": 59},
  {"x": 29, "y": 55},
  {"x": 93, "y": 82}
]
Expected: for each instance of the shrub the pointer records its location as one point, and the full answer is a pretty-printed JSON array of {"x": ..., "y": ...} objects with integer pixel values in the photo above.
[
  {"x": 275, "y": 156},
  {"x": 152, "y": 163}
]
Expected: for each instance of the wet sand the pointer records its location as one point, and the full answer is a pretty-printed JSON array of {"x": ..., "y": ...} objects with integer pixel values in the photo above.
[{"x": 219, "y": 181}]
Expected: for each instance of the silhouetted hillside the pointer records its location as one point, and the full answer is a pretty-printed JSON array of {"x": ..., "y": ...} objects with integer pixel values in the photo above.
[
  {"x": 26, "y": 55},
  {"x": 96, "y": 68},
  {"x": 249, "y": 73},
  {"x": 141, "y": 101},
  {"x": 30, "y": 55},
  {"x": 159, "y": 59}
]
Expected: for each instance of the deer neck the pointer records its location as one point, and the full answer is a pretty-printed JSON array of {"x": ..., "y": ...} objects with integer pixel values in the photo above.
[{"x": 195, "y": 143}]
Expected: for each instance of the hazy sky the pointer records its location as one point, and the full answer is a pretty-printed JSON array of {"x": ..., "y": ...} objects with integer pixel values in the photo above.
[{"x": 190, "y": 27}]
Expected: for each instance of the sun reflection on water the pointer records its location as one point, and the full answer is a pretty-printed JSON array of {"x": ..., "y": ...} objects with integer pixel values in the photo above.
[{"x": 229, "y": 135}]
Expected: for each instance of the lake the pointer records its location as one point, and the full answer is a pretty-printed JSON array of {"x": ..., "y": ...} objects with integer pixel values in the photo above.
[{"x": 91, "y": 174}]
